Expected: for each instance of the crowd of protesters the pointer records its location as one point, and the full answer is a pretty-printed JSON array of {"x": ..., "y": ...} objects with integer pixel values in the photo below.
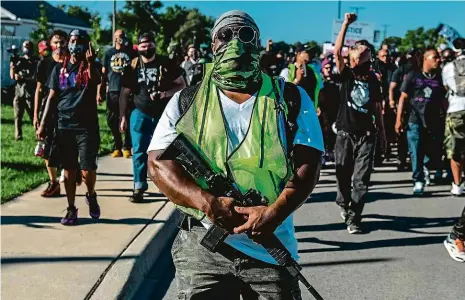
[{"x": 368, "y": 104}]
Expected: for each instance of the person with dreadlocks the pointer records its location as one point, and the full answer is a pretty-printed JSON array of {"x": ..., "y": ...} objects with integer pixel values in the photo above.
[
  {"x": 73, "y": 90},
  {"x": 56, "y": 46},
  {"x": 152, "y": 79}
]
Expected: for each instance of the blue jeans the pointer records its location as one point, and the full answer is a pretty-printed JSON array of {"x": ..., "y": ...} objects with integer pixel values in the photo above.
[
  {"x": 425, "y": 147},
  {"x": 142, "y": 127}
]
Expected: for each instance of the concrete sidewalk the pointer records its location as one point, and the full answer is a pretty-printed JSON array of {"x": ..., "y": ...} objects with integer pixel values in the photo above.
[{"x": 41, "y": 259}]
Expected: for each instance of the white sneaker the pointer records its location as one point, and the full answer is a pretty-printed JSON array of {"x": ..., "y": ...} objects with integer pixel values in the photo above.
[
  {"x": 418, "y": 188},
  {"x": 457, "y": 190},
  {"x": 62, "y": 176},
  {"x": 456, "y": 248}
]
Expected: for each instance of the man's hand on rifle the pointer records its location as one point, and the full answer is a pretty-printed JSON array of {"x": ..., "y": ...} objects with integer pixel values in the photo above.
[
  {"x": 221, "y": 212},
  {"x": 261, "y": 222}
]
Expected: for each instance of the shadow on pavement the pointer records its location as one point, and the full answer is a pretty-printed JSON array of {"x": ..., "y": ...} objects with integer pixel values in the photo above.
[
  {"x": 347, "y": 262},
  {"x": 386, "y": 222},
  {"x": 31, "y": 221},
  {"x": 45, "y": 259},
  {"x": 113, "y": 174},
  {"x": 355, "y": 246},
  {"x": 373, "y": 195}
]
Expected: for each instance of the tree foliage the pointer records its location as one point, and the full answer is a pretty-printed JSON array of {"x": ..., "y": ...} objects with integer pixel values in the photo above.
[
  {"x": 43, "y": 27},
  {"x": 417, "y": 38}
]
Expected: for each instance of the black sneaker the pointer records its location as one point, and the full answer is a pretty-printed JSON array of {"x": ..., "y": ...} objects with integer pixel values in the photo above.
[
  {"x": 137, "y": 196},
  {"x": 94, "y": 208},
  {"x": 71, "y": 216}
]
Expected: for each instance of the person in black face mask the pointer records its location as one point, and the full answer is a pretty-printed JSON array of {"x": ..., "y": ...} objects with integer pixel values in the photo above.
[
  {"x": 73, "y": 89},
  {"x": 114, "y": 62},
  {"x": 361, "y": 102},
  {"x": 153, "y": 79}
]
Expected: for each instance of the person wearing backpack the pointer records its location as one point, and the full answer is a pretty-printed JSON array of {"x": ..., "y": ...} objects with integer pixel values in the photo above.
[
  {"x": 453, "y": 76},
  {"x": 152, "y": 79},
  {"x": 260, "y": 131}
]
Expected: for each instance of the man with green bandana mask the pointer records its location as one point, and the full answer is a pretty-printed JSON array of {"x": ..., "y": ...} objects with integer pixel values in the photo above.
[{"x": 234, "y": 117}]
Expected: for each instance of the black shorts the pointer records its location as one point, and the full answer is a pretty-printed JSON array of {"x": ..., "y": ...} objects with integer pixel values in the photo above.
[{"x": 82, "y": 145}]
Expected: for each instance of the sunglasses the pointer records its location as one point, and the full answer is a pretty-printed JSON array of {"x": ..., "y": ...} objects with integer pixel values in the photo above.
[{"x": 245, "y": 34}]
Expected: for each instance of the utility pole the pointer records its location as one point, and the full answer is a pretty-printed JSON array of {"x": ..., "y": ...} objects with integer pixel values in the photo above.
[
  {"x": 385, "y": 26},
  {"x": 357, "y": 9},
  {"x": 114, "y": 20},
  {"x": 339, "y": 9}
]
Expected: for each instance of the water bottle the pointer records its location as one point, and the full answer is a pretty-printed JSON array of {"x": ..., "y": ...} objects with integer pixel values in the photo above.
[{"x": 39, "y": 150}]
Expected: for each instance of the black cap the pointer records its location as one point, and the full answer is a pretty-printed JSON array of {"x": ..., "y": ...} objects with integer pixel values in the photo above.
[
  {"x": 146, "y": 37},
  {"x": 459, "y": 43}
]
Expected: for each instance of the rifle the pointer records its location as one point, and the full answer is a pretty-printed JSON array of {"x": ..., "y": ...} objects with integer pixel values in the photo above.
[{"x": 194, "y": 161}]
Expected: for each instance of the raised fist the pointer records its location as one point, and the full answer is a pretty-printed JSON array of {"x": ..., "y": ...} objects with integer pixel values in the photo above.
[{"x": 350, "y": 18}]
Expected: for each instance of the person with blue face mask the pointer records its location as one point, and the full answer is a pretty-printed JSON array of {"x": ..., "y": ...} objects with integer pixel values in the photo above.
[{"x": 23, "y": 72}]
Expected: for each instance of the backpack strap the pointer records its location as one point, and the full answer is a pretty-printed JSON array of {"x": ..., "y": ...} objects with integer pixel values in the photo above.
[
  {"x": 292, "y": 99},
  {"x": 186, "y": 98},
  {"x": 135, "y": 62},
  {"x": 291, "y": 96}
]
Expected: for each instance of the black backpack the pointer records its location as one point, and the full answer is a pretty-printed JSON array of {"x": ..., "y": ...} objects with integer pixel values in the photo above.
[{"x": 291, "y": 96}]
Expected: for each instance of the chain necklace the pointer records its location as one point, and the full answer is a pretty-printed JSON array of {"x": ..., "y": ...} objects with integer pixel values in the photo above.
[{"x": 429, "y": 76}]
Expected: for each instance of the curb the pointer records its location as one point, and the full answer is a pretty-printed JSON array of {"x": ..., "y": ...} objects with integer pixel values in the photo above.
[{"x": 126, "y": 275}]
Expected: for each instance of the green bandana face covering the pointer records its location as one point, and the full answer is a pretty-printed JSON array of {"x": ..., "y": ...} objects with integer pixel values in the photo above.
[{"x": 236, "y": 66}]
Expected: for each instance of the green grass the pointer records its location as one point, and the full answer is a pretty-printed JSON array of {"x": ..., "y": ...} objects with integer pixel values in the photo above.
[{"x": 21, "y": 171}]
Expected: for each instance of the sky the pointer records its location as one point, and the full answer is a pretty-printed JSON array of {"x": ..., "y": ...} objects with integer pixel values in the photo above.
[{"x": 293, "y": 21}]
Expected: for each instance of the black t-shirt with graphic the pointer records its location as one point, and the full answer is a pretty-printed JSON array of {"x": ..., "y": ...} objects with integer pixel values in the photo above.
[
  {"x": 114, "y": 62},
  {"x": 77, "y": 108},
  {"x": 146, "y": 79},
  {"x": 425, "y": 98},
  {"x": 358, "y": 98}
]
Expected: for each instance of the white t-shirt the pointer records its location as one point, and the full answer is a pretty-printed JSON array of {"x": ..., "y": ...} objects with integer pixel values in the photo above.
[
  {"x": 456, "y": 103},
  {"x": 237, "y": 122}
]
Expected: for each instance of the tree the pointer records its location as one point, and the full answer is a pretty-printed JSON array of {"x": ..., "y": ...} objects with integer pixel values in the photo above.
[
  {"x": 420, "y": 39},
  {"x": 392, "y": 41},
  {"x": 43, "y": 27},
  {"x": 195, "y": 29},
  {"x": 138, "y": 17},
  {"x": 79, "y": 12},
  {"x": 98, "y": 36}
]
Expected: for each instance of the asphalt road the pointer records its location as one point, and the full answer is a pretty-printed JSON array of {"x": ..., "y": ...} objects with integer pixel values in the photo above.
[{"x": 401, "y": 257}]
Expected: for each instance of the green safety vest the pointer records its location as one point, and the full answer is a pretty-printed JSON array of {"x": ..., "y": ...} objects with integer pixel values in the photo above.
[
  {"x": 291, "y": 77},
  {"x": 259, "y": 162}
]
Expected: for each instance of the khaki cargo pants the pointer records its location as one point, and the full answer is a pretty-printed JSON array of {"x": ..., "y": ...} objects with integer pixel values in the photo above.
[{"x": 24, "y": 100}]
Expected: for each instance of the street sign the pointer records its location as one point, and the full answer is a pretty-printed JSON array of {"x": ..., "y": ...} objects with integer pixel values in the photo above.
[{"x": 356, "y": 31}]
